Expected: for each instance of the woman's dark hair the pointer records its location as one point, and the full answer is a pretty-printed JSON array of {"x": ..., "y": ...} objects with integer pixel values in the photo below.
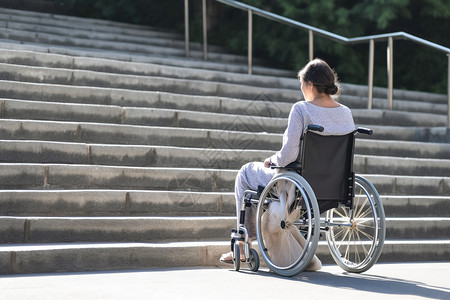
[{"x": 319, "y": 73}]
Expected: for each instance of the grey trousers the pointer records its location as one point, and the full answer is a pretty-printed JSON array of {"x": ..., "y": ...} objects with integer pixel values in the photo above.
[{"x": 249, "y": 177}]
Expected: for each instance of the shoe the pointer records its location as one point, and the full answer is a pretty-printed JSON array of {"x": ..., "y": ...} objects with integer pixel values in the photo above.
[{"x": 227, "y": 258}]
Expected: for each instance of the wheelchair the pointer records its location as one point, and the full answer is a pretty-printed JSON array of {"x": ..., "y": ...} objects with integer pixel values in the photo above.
[{"x": 288, "y": 210}]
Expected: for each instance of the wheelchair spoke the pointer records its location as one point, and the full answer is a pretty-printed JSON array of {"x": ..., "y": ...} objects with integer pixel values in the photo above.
[
  {"x": 340, "y": 232},
  {"x": 357, "y": 257},
  {"x": 357, "y": 214},
  {"x": 370, "y": 237},
  {"x": 361, "y": 243},
  {"x": 362, "y": 221},
  {"x": 346, "y": 233},
  {"x": 365, "y": 213},
  {"x": 366, "y": 253},
  {"x": 288, "y": 241},
  {"x": 347, "y": 252},
  {"x": 362, "y": 224},
  {"x": 345, "y": 215}
]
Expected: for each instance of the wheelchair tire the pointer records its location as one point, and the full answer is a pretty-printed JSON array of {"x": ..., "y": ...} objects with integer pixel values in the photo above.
[
  {"x": 236, "y": 257},
  {"x": 288, "y": 224},
  {"x": 253, "y": 261},
  {"x": 356, "y": 247}
]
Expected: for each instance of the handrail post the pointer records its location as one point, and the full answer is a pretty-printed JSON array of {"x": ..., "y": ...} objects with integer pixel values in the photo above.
[
  {"x": 448, "y": 91},
  {"x": 371, "y": 60},
  {"x": 250, "y": 41},
  {"x": 205, "y": 37},
  {"x": 390, "y": 67},
  {"x": 311, "y": 45},
  {"x": 186, "y": 26}
]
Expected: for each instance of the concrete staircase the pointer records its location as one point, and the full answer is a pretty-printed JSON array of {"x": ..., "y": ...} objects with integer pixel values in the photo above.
[{"x": 117, "y": 152}]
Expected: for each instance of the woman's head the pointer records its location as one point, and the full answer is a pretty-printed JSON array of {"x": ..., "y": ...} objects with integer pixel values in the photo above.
[{"x": 318, "y": 73}]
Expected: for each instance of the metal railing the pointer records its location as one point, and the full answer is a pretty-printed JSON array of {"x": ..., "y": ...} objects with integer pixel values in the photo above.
[{"x": 389, "y": 37}]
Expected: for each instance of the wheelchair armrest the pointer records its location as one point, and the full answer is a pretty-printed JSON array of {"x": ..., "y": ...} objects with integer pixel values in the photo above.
[
  {"x": 314, "y": 127},
  {"x": 291, "y": 166},
  {"x": 364, "y": 130}
]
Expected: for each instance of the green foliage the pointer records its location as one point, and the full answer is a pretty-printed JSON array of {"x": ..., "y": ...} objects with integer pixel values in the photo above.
[{"x": 415, "y": 66}]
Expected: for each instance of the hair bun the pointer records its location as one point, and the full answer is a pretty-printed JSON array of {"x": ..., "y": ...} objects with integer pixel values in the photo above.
[{"x": 331, "y": 90}]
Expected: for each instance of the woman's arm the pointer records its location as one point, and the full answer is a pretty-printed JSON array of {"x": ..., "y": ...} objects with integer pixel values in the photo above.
[{"x": 291, "y": 139}]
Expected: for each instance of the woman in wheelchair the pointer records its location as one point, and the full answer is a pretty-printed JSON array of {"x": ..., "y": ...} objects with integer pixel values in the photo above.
[
  {"x": 320, "y": 88},
  {"x": 288, "y": 214}
]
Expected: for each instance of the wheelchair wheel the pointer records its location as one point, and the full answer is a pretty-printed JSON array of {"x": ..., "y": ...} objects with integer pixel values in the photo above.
[
  {"x": 236, "y": 257},
  {"x": 288, "y": 224},
  {"x": 356, "y": 236},
  {"x": 253, "y": 262}
]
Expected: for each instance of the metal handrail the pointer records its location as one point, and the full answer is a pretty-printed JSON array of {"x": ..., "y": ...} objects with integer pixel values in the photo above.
[{"x": 389, "y": 37}]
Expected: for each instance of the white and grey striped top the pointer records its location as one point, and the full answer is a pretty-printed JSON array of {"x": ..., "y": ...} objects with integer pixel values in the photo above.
[{"x": 336, "y": 121}]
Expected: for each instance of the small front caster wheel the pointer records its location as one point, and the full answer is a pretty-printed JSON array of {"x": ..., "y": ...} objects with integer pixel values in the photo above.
[
  {"x": 253, "y": 261},
  {"x": 236, "y": 257}
]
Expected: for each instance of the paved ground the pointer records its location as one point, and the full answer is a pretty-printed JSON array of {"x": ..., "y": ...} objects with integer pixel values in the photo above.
[{"x": 383, "y": 281}]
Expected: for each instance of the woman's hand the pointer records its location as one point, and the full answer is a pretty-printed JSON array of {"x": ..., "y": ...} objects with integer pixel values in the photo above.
[{"x": 267, "y": 162}]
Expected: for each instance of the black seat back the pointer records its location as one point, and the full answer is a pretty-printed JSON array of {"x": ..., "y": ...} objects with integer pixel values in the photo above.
[{"x": 327, "y": 165}]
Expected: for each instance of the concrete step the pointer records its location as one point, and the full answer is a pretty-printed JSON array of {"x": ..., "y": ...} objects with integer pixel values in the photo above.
[
  {"x": 19, "y": 151},
  {"x": 401, "y": 166},
  {"x": 417, "y": 134},
  {"x": 114, "y": 229},
  {"x": 394, "y": 148},
  {"x": 400, "y": 118},
  {"x": 418, "y": 107},
  {"x": 20, "y": 259},
  {"x": 420, "y": 228},
  {"x": 111, "y": 202},
  {"x": 169, "y": 229},
  {"x": 57, "y": 176},
  {"x": 63, "y": 176},
  {"x": 60, "y": 203},
  {"x": 137, "y": 135},
  {"x": 34, "y": 110},
  {"x": 161, "y": 156},
  {"x": 416, "y": 206},
  {"x": 381, "y": 92},
  {"x": 410, "y": 185}
]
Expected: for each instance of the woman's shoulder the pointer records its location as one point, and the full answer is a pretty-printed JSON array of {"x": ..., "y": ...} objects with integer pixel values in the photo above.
[{"x": 305, "y": 105}]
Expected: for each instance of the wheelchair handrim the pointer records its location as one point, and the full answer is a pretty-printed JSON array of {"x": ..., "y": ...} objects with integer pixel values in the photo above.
[{"x": 310, "y": 244}]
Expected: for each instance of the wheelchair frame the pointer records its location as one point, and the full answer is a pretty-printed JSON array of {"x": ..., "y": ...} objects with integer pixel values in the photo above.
[{"x": 354, "y": 225}]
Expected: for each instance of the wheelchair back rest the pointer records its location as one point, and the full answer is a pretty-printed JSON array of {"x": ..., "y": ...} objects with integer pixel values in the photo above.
[{"x": 327, "y": 165}]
